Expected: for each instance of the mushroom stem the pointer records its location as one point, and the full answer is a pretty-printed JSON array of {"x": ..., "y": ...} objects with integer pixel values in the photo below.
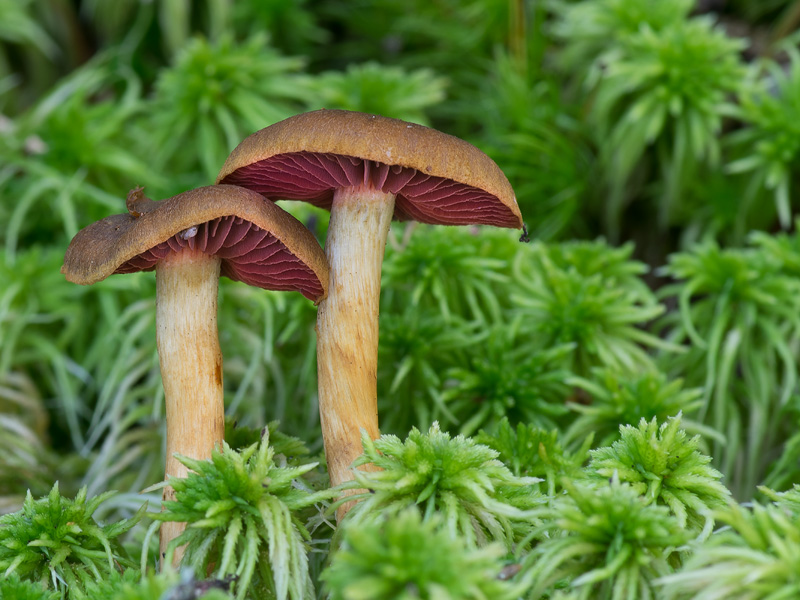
[
  {"x": 347, "y": 325},
  {"x": 191, "y": 364}
]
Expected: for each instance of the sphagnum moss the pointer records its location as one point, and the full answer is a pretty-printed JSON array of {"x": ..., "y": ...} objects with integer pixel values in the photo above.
[
  {"x": 788, "y": 500},
  {"x": 403, "y": 557},
  {"x": 619, "y": 398},
  {"x": 476, "y": 495},
  {"x": 769, "y": 145},
  {"x": 380, "y": 89},
  {"x": 416, "y": 348},
  {"x": 589, "y": 28},
  {"x": 14, "y": 588},
  {"x": 56, "y": 541},
  {"x": 446, "y": 270},
  {"x": 756, "y": 556},
  {"x": 240, "y": 508},
  {"x": 738, "y": 309},
  {"x": 530, "y": 451},
  {"x": 603, "y": 540},
  {"x": 507, "y": 376},
  {"x": 594, "y": 311},
  {"x": 215, "y": 93},
  {"x": 666, "y": 467}
]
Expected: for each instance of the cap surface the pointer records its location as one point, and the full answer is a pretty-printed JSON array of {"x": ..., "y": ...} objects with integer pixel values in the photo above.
[
  {"x": 437, "y": 178},
  {"x": 259, "y": 243}
]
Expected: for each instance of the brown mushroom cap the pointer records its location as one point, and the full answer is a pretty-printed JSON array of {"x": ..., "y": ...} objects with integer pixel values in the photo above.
[
  {"x": 259, "y": 243},
  {"x": 436, "y": 177}
]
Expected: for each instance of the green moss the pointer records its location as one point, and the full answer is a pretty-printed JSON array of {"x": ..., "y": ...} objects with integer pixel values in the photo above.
[
  {"x": 404, "y": 557},
  {"x": 476, "y": 495},
  {"x": 56, "y": 542},
  {"x": 666, "y": 467},
  {"x": 241, "y": 514}
]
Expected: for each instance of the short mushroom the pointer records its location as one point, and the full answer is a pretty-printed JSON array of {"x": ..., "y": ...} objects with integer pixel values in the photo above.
[
  {"x": 190, "y": 239},
  {"x": 366, "y": 170}
]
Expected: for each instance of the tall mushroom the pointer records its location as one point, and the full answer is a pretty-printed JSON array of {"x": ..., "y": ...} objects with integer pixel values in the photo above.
[
  {"x": 190, "y": 239},
  {"x": 366, "y": 170}
]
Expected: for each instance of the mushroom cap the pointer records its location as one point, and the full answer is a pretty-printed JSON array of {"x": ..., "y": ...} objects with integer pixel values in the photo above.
[
  {"x": 259, "y": 243},
  {"x": 437, "y": 178}
]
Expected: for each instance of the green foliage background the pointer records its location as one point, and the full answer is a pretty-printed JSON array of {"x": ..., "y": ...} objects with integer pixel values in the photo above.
[{"x": 653, "y": 146}]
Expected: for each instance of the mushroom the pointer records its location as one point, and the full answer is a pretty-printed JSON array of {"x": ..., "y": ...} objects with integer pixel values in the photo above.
[
  {"x": 190, "y": 239},
  {"x": 366, "y": 170}
]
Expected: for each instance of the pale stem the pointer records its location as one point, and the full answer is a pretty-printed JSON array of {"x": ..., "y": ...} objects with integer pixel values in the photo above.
[
  {"x": 347, "y": 325},
  {"x": 191, "y": 364}
]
